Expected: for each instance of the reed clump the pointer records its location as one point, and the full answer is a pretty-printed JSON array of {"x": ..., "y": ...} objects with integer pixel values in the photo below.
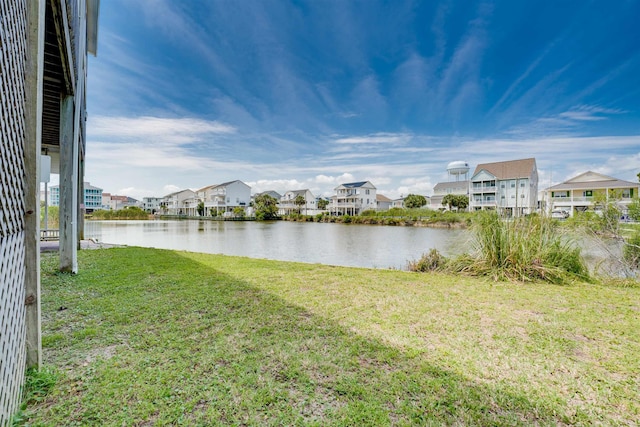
[{"x": 523, "y": 249}]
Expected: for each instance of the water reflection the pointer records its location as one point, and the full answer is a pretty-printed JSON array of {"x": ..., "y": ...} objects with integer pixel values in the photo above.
[{"x": 333, "y": 244}]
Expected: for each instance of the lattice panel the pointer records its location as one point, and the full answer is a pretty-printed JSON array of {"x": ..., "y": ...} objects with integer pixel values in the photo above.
[
  {"x": 13, "y": 52},
  {"x": 12, "y": 324},
  {"x": 12, "y": 105}
]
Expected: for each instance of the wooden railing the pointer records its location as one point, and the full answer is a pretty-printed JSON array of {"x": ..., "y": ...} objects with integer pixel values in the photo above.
[{"x": 49, "y": 234}]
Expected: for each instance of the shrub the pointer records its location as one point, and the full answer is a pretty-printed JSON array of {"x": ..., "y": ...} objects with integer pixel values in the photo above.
[
  {"x": 431, "y": 261},
  {"x": 631, "y": 250},
  {"x": 521, "y": 249}
]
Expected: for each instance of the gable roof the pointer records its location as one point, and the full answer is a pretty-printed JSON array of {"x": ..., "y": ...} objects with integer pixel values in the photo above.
[
  {"x": 453, "y": 185},
  {"x": 271, "y": 193},
  {"x": 381, "y": 198},
  {"x": 593, "y": 180},
  {"x": 509, "y": 169},
  {"x": 354, "y": 184},
  {"x": 178, "y": 192},
  {"x": 297, "y": 193}
]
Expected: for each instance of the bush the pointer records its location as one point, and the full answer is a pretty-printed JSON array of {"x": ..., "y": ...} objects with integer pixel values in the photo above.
[
  {"x": 521, "y": 249},
  {"x": 130, "y": 212},
  {"x": 631, "y": 250},
  {"x": 431, "y": 261}
]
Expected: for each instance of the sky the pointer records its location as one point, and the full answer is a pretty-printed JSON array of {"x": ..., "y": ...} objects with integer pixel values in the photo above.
[{"x": 288, "y": 95}]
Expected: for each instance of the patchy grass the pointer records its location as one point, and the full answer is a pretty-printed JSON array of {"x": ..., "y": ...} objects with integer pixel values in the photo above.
[{"x": 154, "y": 337}]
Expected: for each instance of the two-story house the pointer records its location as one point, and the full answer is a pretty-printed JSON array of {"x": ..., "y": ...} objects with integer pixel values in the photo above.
[
  {"x": 353, "y": 198},
  {"x": 511, "y": 187},
  {"x": 177, "y": 203},
  {"x": 288, "y": 203},
  {"x": 579, "y": 193},
  {"x": 151, "y": 204},
  {"x": 441, "y": 189},
  {"x": 225, "y": 197}
]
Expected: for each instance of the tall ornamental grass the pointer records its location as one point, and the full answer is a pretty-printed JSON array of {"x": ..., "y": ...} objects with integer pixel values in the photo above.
[{"x": 525, "y": 249}]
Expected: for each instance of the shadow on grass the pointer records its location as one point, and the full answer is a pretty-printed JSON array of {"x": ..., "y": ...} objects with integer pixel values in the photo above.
[{"x": 151, "y": 337}]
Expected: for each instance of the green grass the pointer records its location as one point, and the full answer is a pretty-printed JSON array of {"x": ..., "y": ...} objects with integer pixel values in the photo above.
[{"x": 153, "y": 337}]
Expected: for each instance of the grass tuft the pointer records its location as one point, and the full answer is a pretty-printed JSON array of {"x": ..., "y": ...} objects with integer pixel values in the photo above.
[{"x": 521, "y": 249}]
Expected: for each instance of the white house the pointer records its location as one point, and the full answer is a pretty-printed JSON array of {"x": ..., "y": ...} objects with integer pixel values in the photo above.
[
  {"x": 177, "y": 203},
  {"x": 287, "y": 204},
  {"x": 510, "y": 187},
  {"x": 353, "y": 198},
  {"x": 577, "y": 194},
  {"x": 151, "y": 204},
  {"x": 383, "y": 203},
  {"x": 398, "y": 203},
  {"x": 225, "y": 197},
  {"x": 457, "y": 188}
]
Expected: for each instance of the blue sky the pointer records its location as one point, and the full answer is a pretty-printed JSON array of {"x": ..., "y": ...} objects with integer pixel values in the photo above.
[{"x": 287, "y": 95}]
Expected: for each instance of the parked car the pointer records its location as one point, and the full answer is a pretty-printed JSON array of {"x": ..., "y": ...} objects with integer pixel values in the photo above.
[{"x": 559, "y": 214}]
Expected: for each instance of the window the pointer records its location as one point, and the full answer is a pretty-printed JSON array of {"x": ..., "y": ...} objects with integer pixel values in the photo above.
[
  {"x": 522, "y": 184},
  {"x": 367, "y": 192},
  {"x": 502, "y": 185},
  {"x": 513, "y": 184},
  {"x": 587, "y": 193},
  {"x": 627, "y": 193}
]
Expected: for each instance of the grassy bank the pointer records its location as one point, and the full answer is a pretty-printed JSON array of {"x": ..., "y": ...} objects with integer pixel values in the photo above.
[{"x": 152, "y": 337}]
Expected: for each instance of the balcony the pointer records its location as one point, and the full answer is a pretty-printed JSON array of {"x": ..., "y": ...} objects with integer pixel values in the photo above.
[
  {"x": 484, "y": 202},
  {"x": 484, "y": 188}
]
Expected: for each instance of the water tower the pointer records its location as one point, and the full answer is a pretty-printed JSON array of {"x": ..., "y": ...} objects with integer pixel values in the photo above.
[{"x": 458, "y": 168}]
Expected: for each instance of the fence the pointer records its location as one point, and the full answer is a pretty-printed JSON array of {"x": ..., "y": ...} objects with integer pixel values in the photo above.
[{"x": 13, "y": 54}]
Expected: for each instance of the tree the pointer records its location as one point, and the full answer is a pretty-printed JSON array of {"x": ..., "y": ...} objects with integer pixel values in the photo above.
[
  {"x": 461, "y": 202},
  {"x": 300, "y": 201},
  {"x": 322, "y": 204},
  {"x": 414, "y": 201},
  {"x": 638, "y": 176},
  {"x": 238, "y": 212},
  {"x": 458, "y": 201},
  {"x": 200, "y": 208},
  {"x": 266, "y": 207},
  {"x": 634, "y": 209}
]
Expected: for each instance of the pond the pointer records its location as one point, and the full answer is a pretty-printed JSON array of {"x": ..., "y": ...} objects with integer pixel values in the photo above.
[{"x": 351, "y": 245}]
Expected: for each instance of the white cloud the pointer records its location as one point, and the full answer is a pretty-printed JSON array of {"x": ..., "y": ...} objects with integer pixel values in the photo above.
[
  {"x": 172, "y": 130},
  {"x": 376, "y": 138}
]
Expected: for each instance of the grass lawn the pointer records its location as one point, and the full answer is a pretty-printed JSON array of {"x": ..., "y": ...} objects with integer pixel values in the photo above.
[{"x": 153, "y": 337}]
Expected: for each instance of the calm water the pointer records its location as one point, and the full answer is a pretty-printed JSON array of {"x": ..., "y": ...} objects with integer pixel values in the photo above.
[{"x": 333, "y": 244}]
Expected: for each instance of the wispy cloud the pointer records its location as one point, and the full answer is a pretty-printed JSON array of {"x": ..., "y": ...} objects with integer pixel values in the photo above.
[
  {"x": 566, "y": 123},
  {"x": 175, "y": 130},
  {"x": 377, "y": 138}
]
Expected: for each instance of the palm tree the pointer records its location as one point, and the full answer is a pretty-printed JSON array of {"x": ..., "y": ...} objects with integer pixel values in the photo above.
[{"x": 300, "y": 201}]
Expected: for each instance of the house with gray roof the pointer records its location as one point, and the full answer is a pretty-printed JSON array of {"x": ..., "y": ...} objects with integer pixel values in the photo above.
[
  {"x": 579, "y": 193},
  {"x": 510, "y": 187},
  {"x": 223, "y": 198},
  {"x": 458, "y": 188},
  {"x": 353, "y": 198},
  {"x": 288, "y": 205}
]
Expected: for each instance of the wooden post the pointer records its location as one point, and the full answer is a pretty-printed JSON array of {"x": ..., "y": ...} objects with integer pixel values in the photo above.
[
  {"x": 33, "y": 141},
  {"x": 68, "y": 188}
]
